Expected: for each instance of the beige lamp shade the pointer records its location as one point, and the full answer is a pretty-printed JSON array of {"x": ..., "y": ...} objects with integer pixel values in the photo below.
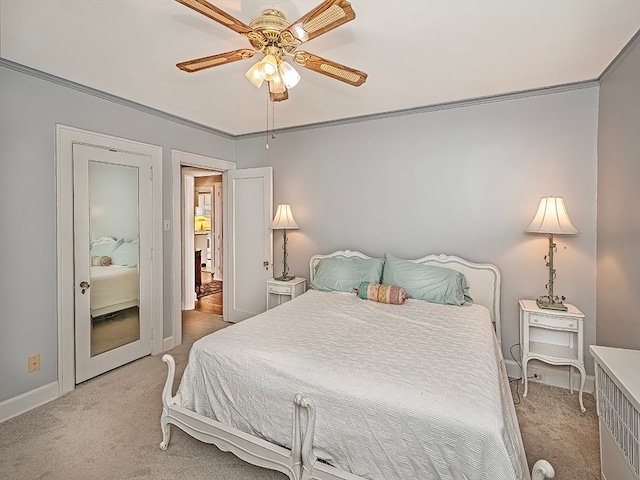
[
  {"x": 277, "y": 85},
  {"x": 268, "y": 67},
  {"x": 552, "y": 217},
  {"x": 283, "y": 220},
  {"x": 202, "y": 223},
  {"x": 254, "y": 75}
]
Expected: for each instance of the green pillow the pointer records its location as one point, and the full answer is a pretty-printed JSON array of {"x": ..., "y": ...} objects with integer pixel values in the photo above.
[
  {"x": 343, "y": 274},
  {"x": 126, "y": 254},
  {"x": 426, "y": 282},
  {"x": 104, "y": 247}
]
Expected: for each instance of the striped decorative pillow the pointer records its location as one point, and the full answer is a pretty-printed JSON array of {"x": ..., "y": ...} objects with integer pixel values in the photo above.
[
  {"x": 100, "y": 261},
  {"x": 381, "y": 293}
]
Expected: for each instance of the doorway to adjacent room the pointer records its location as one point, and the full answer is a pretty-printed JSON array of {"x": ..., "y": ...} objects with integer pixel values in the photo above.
[{"x": 207, "y": 232}]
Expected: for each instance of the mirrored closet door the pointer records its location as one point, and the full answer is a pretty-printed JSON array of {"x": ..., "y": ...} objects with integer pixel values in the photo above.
[{"x": 112, "y": 248}]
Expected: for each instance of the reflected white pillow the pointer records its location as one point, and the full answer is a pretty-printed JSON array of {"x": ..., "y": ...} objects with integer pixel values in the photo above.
[
  {"x": 126, "y": 254},
  {"x": 104, "y": 246}
]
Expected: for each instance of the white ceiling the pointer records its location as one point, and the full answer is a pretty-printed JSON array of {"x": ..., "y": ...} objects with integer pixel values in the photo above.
[{"x": 416, "y": 52}]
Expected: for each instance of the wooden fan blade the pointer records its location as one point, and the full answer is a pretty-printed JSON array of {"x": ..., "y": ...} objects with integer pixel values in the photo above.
[
  {"x": 331, "y": 69},
  {"x": 215, "y": 60},
  {"x": 220, "y": 16},
  {"x": 325, "y": 17}
]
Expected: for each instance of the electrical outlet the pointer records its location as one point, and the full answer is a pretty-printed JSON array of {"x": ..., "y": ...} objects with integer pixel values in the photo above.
[
  {"x": 34, "y": 363},
  {"x": 537, "y": 376}
]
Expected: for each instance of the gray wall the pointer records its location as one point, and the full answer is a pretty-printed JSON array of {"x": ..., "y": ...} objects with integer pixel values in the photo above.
[
  {"x": 30, "y": 107},
  {"x": 618, "y": 291},
  {"x": 463, "y": 181}
]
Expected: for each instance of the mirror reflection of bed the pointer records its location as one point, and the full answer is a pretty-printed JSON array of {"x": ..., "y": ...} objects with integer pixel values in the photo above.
[{"x": 115, "y": 292}]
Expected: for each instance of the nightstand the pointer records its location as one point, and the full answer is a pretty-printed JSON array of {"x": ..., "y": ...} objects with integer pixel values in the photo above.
[
  {"x": 281, "y": 290},
  {"x": 535, "y": 345}
]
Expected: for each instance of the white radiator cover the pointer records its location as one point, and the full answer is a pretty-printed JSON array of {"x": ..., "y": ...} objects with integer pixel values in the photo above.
[{"x": 618, "y": 403}]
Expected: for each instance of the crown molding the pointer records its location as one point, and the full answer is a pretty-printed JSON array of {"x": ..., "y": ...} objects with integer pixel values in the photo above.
[
  {"x": 109, "y": 97},
  {"x": 311, "y": 126},
  {"x": 433, "y": 108},
  {"x": 626, "y": 50}
]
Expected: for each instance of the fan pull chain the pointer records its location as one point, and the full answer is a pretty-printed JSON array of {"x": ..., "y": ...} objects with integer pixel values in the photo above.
[
  {"x": 267, "y": 145},
  {"x": 273, "y": 120}
]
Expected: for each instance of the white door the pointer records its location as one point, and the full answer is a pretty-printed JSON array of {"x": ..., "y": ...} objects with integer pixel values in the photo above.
[
  {"x": 112, "y": 254},
  {"x": 249, "y": 240},
  {"x": 217, "y": 232}
]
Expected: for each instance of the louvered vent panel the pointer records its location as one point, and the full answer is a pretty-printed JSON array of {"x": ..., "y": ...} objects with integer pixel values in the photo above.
[{"x": 620, "y": 417}]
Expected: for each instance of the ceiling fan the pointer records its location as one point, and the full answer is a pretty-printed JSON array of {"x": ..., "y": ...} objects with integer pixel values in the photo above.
[{"x": 273, "y": 36}]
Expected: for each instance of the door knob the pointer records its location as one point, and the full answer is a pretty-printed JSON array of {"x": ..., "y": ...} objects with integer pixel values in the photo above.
[{"x": 84, "y": 285}]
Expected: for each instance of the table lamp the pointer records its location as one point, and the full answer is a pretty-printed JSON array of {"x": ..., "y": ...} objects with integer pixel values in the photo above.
[
  {"x": 284, "y": 221},
  {"x": 551, "y": 218}
]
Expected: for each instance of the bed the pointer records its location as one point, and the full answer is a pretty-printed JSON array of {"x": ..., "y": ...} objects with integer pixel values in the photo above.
[
  {"x": 115, "y": 279},
  {"x": 113, "y": 288},
  {"x": 331, "y": 386}
]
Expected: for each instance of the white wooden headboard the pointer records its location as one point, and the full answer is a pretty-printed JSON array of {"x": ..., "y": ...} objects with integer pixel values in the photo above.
[{"x": 483, "y": 278}]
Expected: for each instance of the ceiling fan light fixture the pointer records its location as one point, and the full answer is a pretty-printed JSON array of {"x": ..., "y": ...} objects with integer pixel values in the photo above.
[
  {"x": 289, "y": 75},
  {"x": 277, "y": 85},
  {"x": 273, "y": 37},
  {"x": 268, "y": 67},
  {"x": 254, "y": 75}
]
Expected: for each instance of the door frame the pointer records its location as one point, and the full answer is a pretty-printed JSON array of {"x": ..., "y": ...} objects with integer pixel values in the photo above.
[
  {"x": 179, "y": 159},
  {"x": 65, "y": 138}
]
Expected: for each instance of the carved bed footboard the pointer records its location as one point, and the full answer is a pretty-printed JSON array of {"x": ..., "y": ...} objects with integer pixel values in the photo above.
[
  {"x": 251, "y": 449},
  {"x": 299, "y": 463}
]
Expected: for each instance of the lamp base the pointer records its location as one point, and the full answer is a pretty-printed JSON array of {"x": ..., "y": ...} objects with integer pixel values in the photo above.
[
  {"x": 284, "y": 278},
  {"x": 551, "y": 304}
]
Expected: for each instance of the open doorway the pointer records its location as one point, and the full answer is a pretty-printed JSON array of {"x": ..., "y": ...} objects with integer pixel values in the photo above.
[
  {"x": 208, "y": 240},
  {"x": 187, "y": 167},
  {"x": 246, "y": 242}
]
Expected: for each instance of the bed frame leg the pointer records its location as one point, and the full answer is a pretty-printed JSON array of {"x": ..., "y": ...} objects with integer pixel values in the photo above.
[
  {"x": 167, "y": 401},
  {"x": 306, "y": 450},
  {"x": 296, "y": 439},
  {"x": 541, "y": 470}
]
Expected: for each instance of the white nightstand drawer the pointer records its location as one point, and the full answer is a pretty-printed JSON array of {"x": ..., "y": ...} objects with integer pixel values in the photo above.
[
  {"x": 279, "y": 289},
  {"x": 284, "y": 291},
  {"x": 570, "y": 324}
]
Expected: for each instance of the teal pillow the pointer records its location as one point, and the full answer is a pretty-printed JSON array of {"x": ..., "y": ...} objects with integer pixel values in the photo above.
[
  {"x": 126, "y": 254},
  {"x": 426, "y": 282},
  {"x": 343, "y": 274},
  {"x": 104, "y": 247}
]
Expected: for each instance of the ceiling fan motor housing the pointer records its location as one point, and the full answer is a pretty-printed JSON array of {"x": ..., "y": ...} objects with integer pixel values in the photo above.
[{"x": 269, "y": 24}]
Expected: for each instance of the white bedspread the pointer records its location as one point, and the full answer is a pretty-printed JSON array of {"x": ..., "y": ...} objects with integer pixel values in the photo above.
[
  {"x": 411, "y": 391},
  {"x": 113, "y": 285}
]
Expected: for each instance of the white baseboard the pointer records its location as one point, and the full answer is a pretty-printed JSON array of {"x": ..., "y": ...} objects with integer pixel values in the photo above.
[
  {"x": 28, "y": 401},
  {"x": 556, "y": 376},
  {"x": 168, "y": 343}
]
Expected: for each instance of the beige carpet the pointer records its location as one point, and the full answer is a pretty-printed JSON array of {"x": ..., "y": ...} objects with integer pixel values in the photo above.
[{"x": 108, "y": 428}]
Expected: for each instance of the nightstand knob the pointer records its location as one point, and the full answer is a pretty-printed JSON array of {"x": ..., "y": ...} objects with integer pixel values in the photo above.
[
  {"x": 572, "y": 324},
  {"x": 535, "y": 320}
]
